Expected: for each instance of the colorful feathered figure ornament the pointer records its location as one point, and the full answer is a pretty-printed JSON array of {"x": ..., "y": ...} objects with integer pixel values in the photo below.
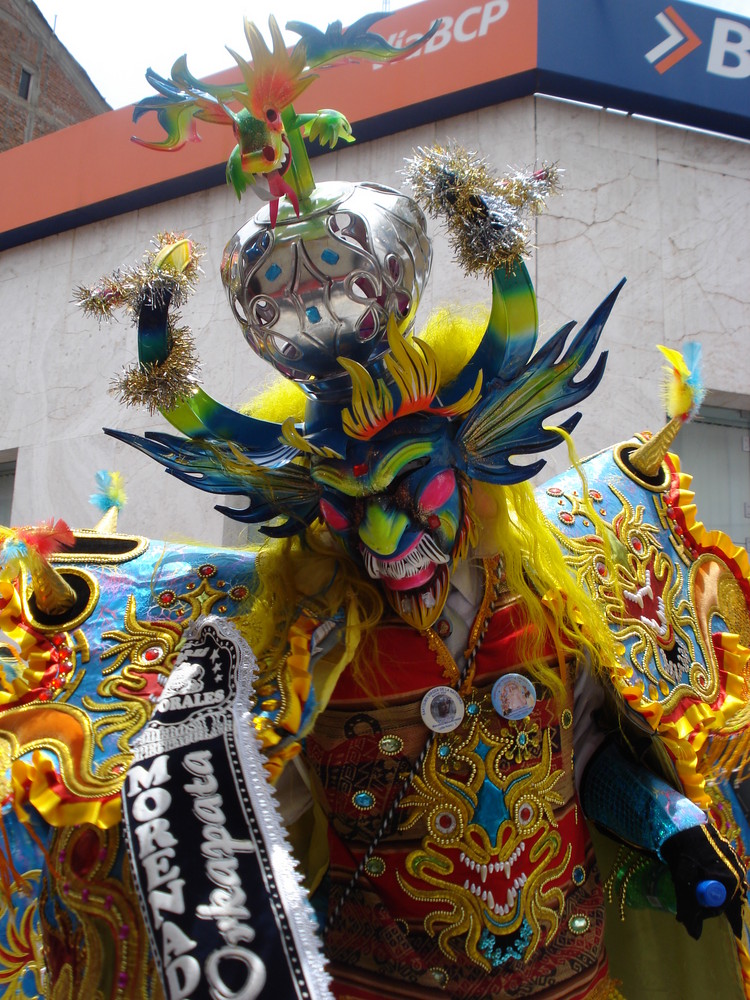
[
  {"x": 268, "y": 131},
  {"x": 683, "y": 393},
  {"x": 29, "y": 548},
  {"x": 110, "y": 499}
]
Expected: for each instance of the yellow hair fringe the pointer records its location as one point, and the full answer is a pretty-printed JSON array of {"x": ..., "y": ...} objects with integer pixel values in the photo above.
[{"x": 310, "y": 574}]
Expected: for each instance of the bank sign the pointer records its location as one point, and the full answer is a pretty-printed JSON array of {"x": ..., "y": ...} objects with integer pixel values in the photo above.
[{"x": 676, "y": 61}]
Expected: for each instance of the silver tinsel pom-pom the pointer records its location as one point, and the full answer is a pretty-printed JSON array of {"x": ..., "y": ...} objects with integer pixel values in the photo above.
[
  {"x": 166, "y": 275},
  {"x": 487, "y": 217}
]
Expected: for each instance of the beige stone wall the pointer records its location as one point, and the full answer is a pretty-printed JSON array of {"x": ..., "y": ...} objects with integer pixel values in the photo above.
[{"x": 668, "y": 208}]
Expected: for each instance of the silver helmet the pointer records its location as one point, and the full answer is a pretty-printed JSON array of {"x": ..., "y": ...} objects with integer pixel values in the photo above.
[{"x": 323, "y": 285}]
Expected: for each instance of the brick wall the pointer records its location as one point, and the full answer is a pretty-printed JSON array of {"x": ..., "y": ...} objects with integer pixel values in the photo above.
[{"x": 60, "y": 92}]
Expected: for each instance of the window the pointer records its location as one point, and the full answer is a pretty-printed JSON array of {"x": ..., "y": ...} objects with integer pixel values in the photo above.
[
  {"x": 24, "y": 84},
  {"x": 715, "y": 450},
  {"x": 7, "y": 476}
]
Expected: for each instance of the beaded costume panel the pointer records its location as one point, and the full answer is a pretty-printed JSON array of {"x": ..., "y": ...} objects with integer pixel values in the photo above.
[{"x": 485, "y": 884}]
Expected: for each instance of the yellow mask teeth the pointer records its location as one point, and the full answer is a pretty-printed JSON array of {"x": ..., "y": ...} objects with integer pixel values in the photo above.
[{"x": 413, "y": 609}]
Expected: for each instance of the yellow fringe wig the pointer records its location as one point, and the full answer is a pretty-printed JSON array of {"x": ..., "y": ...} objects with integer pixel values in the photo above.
[{"x": 312, "y": 573}]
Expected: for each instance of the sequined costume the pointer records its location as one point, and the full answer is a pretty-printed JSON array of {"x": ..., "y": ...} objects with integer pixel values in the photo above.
[
  {"x": 85, "y": 906},
  {"x": 455, "y": 671}
]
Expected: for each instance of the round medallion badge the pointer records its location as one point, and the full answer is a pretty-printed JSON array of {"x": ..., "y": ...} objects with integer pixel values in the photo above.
[
  {"x": 442, "y": 709},
  {"x": 443, "y": 628},
  {"x": 513, "y": 696}
]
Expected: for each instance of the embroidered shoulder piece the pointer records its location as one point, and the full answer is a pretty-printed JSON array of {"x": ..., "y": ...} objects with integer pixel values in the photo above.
[
  {"x": 677, "y": 598},
  {"x": 77, "y": 686}
]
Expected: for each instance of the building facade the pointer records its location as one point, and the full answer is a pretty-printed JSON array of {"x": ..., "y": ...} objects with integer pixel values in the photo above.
[{"x": 42, "y": 87}]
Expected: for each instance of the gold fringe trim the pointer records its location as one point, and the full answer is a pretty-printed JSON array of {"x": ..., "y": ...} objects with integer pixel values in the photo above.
[{"x": 606, "y": 990}]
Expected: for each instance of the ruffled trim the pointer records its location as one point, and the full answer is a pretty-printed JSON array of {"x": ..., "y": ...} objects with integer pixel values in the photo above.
[
  {"x": 38, "y": 784},
  {"x": 41, "y": 662},
  {"x": 297, "y": 679},
  {"x": 702, "y": 738},
  {"x": 291, "y": 702},
  {"x": 281, "y": 704}
]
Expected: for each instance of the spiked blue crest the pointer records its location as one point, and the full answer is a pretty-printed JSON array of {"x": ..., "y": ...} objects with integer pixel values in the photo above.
[{"x": 509, "y": 419}]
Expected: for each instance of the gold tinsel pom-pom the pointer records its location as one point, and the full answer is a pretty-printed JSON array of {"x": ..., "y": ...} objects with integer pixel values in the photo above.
[
  {"x": 161, "y": 386},
  {"x": 171, "y": 266},
  {"x": 100, "y": 300},
  {"x": 487, "y": 217}
]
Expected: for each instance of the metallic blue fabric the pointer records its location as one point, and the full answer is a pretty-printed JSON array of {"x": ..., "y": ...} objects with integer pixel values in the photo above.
[{"x": 633, "y": 804}]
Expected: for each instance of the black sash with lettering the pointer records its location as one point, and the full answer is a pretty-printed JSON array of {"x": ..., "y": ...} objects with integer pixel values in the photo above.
[{"x": 226, "y": 915}]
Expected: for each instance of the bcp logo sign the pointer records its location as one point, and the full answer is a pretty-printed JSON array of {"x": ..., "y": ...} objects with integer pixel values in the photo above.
[
  {"x": 472, "y": 22},
  {"x": 729, "y": 49}
]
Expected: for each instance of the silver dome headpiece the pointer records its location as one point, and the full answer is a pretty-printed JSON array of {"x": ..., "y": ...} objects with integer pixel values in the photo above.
[{"x": 322, "y": 285}]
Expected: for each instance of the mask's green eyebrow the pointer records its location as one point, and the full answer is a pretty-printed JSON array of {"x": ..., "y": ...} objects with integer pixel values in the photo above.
[{"x": 379, "y": 476}]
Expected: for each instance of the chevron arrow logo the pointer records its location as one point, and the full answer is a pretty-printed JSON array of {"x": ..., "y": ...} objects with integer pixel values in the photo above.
[{"x": 681, "y": 40}]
